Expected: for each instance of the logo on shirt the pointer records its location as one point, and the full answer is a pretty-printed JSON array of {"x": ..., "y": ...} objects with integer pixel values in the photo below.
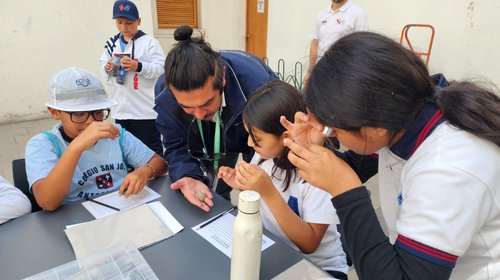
[
  {"x": 104, "y": 181},
  {"x": 293, "y": 202},
  {"x": 400, "y": 198},
  {"x": 340, "y": 21}
]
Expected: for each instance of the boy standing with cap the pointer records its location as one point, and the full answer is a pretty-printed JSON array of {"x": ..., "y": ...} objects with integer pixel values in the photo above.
[
  {"x": 83, "y": 156},
  {"x": 141, "y": 63}
]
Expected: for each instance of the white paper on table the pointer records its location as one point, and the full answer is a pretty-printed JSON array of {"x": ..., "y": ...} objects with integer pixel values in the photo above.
[
  {"x": 220, "y": 234},
  {"x": 120, "y": 202},
  {"x": 165, "y": 216}
]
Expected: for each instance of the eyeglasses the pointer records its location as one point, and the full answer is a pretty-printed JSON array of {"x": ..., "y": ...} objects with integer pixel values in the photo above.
[
  {"x": 197, "y": 143},
  {"x": 81, "y": 117}
]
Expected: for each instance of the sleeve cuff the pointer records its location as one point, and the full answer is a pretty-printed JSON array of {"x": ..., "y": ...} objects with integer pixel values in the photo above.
[
  {"x": 350, "y": 196},
  {"x": 139, "y": 67}
]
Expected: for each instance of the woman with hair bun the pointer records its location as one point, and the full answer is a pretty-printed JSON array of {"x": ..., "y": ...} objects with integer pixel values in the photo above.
[
  {"x": 438, "y": 161},
  {"x": 199, "y": 101}
]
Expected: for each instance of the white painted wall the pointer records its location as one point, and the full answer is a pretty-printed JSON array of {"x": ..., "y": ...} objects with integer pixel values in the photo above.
[
  {"x": 466, "y": 44},
  {"x": 41, "y": 37}
]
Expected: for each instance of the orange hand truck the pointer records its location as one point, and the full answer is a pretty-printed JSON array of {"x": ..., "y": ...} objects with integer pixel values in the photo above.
[{"x": 404, "y": 34}]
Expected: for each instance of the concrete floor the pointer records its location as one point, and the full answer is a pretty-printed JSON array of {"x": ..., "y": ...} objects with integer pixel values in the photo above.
[{"x": 14, "y": 136}]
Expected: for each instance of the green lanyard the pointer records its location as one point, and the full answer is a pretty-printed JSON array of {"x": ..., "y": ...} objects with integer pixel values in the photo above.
[{"x": 216, "y": 139}]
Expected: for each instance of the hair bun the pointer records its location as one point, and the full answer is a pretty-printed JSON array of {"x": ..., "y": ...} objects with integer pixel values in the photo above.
[{"x": 183, "y": 33}]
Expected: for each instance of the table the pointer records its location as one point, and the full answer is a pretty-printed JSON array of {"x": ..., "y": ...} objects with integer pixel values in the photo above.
[{"x": 36, "y": 242}]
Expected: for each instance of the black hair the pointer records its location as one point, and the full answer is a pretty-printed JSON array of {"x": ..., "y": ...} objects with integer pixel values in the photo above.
[
  {"x": 368, "y": 80},
  {"x": 263, "y": 110},
  {"x": 192, "y": 61}
]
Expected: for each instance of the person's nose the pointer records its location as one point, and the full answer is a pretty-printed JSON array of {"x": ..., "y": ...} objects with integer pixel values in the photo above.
[
  {"x": 90, "y": 119},
  {"x": 250, "y": 142},
  {"x": 199, "y": 113}
]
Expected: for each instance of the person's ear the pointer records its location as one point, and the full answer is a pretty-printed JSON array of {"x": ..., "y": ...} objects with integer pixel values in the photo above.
[
  {"x": 374, "y": 132},
  {"x": 56, "y": 114},
  {"x": 138, "y": 21}
]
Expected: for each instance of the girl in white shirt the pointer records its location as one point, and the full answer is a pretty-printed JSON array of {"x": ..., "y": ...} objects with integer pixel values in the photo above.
[{"x": 292, "y": 209}]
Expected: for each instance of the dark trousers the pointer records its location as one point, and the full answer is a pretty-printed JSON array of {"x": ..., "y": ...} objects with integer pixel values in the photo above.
[{"x": 146, "y": 131}]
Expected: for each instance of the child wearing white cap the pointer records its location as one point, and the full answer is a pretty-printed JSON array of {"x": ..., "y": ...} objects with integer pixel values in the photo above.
[{"x": 83, "y": 156}]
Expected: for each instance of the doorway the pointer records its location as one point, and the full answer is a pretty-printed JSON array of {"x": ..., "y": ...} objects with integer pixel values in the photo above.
[{"x": 256, "y": 27}]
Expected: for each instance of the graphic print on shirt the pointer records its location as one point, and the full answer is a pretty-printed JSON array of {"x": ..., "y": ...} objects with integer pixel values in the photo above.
[
  {"x": 293, "y": 202},
  {"x": 104, "y": 181}
]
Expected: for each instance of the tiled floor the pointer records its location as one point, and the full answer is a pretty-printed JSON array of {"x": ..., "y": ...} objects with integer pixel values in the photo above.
[{"x": 13, "y": 137}]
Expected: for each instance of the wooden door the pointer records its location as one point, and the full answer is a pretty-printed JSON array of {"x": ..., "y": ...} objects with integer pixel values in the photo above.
[{"x": 256, "y": 30}]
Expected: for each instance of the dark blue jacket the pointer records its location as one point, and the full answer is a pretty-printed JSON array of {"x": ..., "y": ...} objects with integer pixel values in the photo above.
[{"x": 244, "y": 74}]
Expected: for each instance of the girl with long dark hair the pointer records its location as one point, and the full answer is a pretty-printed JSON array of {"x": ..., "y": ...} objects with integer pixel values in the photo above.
[
  {"x": 292, "y": 209},
  {"x": 438, "y": 161}
]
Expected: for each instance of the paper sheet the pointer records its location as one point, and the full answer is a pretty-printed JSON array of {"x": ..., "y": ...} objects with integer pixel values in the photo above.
[
  {"x": 304, "y": 270},
  {"x": 141, "y": 225},
  {"x": 220, "y": 234},
  {"x": 120, "y": 202}
]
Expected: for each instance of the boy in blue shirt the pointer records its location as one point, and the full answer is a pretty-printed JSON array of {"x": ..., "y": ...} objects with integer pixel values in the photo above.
[{"x": 82, "y": 156}]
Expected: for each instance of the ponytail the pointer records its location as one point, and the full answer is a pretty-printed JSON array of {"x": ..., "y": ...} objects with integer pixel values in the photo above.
[{"x": 471, "y": 108}]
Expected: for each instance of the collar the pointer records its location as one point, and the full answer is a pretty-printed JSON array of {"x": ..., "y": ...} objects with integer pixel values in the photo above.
[
  {"x": 64, "y": 135},
  {"x": 342, "y": 8},
  {"x": 137, "y": 35},
  {"x": 426, "y": 121}
]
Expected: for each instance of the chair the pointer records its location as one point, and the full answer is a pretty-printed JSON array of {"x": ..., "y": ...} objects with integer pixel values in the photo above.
[{"x": 21, "y": 182}]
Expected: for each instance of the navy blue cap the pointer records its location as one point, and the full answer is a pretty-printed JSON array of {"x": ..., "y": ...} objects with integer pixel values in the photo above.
[{"x": 125, "y": 9}]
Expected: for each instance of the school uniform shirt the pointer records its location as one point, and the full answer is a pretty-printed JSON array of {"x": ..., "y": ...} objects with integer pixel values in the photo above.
[
  {"x": 136, "y": 96},
  {"x": 313, "y": 206},
  {"x": 332, "y": 25},
  {"x": 440, "y": 197},
  {"x": 100, "y": 169},
  {"x": 13, "y": 203}
]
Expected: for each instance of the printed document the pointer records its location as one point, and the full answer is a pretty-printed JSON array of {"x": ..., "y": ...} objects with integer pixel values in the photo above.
[
  {"x": 120, "y": 202},
  {"x": 220, "y": 234}
]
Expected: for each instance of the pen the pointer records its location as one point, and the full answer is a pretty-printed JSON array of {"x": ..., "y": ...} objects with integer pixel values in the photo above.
[
  {"x": 217, "y": 217},
  {"x": 103, "y": 204}
]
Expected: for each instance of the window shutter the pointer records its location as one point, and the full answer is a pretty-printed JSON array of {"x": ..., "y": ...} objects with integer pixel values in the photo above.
[{"x": 172, "y": 13}]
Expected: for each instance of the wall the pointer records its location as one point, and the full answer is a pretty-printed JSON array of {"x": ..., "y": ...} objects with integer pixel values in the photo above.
[
  {"x": 41, "y": 37},
  {"x": 466, "y": 43},
  {"x": 221, "y": 29},
  {"x": 44, "y": 36}
]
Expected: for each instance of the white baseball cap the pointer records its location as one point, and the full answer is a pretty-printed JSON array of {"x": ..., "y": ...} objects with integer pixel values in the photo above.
[{"x": 77, "y": 90}]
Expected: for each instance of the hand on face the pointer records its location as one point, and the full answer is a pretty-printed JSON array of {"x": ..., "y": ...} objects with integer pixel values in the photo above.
[
  {"x": 192, "y": 190},
  {"x": 94, "y": 132},
  {"x": 304, "y": 129},
  {"x": 322, "y": 168}
]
